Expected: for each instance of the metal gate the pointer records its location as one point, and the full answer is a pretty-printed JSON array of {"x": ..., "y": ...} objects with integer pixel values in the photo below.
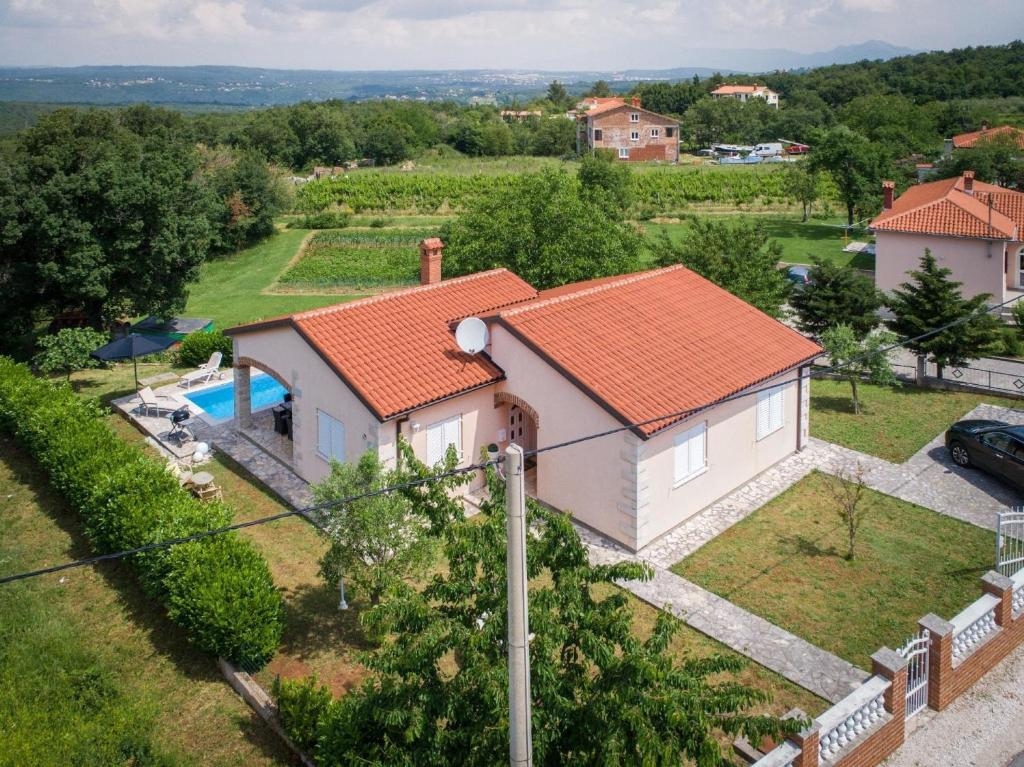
[
  {"x": 1009, "y": 541},
  {"x": 916, "y": 653}
]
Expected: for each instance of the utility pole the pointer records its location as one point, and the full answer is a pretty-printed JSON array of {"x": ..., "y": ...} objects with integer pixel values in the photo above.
[{"x": 520, "y": 748}]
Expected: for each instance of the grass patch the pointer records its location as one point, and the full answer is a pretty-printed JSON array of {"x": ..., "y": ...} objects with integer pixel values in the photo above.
[
  {"x": 232, "y": 290},
  {"x": 799, "y": 240},
  {"x": 785, "y": 564},
  {"x": 895, "y": 421},
  {"x": 93, "y": 672},
  {"x": 358, "y": 259}
]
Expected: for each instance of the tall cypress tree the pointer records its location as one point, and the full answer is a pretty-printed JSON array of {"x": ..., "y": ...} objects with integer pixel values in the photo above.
[{"x": 932, "y": 301}]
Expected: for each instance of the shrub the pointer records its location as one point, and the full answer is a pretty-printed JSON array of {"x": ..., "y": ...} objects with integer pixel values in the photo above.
[
  {"x": 68, "y": 350},
  {"x": 301, "y": 704},
  {"x": 197, "y": 348},
  {"x": 219, "y": 588}
]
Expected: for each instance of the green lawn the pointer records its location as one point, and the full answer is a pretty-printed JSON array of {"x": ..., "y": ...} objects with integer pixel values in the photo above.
[
  {"x": 895, "y": 421},
  {"x": 92, "y": 671},
  {"x": 785, "y": 563},
  {"x": 800, "y": 241},
  {"x": 232, "y": 290}
]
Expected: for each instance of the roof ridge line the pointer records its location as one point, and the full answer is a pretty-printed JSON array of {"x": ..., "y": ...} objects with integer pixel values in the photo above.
[
  {"x": 627, "y": 279},
  {"x": 392, "y": 294}
]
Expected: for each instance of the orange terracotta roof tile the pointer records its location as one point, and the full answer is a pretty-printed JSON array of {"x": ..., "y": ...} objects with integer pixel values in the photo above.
[
  {"x": 944, "y": 208},
  {"x": 396, "y": 351},
  {"x": 729, "y": 90},
  {"x": 968, "y": 140},
  {"x": 678, "y": 342}
]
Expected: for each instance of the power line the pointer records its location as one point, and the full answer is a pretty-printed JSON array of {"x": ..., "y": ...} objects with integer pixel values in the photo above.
[{"x": 308, "y": 511}]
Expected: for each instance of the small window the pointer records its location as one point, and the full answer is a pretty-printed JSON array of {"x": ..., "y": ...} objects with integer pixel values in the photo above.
[
  {"x": 598, "y": 134},
  {"x": 634, "y": 135},
  {"x": 769, "y": 411},
  {"x": 670, "y": 132},
  {"x": 442, "y": 434},
  {"x": 691, "y": 457},
  {"x": 634, "y": 117},
  {"x": 623, "y": 153},
  {"x": 655, "y": 132},
  {"x": 330, "y": 442}
]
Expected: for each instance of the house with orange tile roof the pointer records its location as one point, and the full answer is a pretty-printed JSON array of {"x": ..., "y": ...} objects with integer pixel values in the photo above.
[
  {"x": 746, "y": 92},
  {"x": 972, "y": 228},
  {"x": 986, "y": 134},
  {"x": 687, "y": 391},
  {"x": 634, "y": 134}
]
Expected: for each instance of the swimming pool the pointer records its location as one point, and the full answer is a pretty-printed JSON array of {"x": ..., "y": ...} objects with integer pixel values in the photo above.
[{"x": 218, "y": 402}]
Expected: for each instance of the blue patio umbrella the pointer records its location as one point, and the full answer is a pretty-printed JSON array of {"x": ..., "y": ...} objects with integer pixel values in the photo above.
[{"x": 131, "y": 347}]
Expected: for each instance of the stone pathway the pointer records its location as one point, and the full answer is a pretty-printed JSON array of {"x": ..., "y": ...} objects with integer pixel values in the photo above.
[{"x": 929, "y": 479}]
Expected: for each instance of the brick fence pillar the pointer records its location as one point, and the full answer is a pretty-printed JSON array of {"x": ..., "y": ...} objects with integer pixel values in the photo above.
[
  {"x": 890, "y": 665},
  {"x": 940, "y": 661},
  {"x": 807, "y": 740},
  {"x": 1001, "y": 587}
]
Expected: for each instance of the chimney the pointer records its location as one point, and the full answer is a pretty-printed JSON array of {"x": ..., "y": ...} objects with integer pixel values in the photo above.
[
  {"x": 984, "y": 127},
  {"x": 635, "y": 101},
  {"x": 887, "y": 190},
  {"x": 430, "y": 261},
  {"x": 969, "y": 182}
]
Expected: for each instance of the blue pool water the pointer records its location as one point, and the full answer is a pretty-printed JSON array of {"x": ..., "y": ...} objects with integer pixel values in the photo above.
[{"x": 219, "y": 401}]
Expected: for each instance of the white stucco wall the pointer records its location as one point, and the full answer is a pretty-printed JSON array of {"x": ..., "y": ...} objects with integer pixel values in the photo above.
[
  {"x": 978, "y": 264},
  {"x": 314, "y": 386},
  {"x": 586, "y": 479},
  {"x": 734, "y": 456}
]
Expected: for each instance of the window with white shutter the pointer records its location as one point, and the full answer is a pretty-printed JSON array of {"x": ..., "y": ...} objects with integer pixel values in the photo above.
[
  {"x": 442, "y": 434},
  {"x": 691, "y": 456},
  {"x": 330, "y": 442},
  {"x": 770, "y": 414}
]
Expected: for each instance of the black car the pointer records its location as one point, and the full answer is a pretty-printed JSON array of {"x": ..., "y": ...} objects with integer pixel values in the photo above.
[{"x": 992, "y": 446}]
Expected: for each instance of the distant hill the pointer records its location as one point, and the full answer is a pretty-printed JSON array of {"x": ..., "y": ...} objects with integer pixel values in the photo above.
[{"x": 250, "y": 87}]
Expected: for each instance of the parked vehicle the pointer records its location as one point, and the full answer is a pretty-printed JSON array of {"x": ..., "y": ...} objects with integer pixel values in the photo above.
[
  {"x": 992, "y": 446},
  {"x": 768, "y": 150},
  {"x": 800, "y": 276}
]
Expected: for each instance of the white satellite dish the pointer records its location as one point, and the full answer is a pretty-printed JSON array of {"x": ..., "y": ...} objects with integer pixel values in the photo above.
[{"x": 471, "y": 335}]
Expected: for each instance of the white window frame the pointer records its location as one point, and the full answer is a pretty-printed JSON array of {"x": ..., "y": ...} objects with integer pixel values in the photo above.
[
  {"x": 655, "y": 132},
  {"x": 771, "y": 411},
  {"x": 623, "y": 152},
  {"x": 332, "y": 431},
  {"x": 634, "y": 135},
  {"x": 690, "y": 453},
  {"x": 634, "y": 117},
  {"x": 449, "y": 431}
]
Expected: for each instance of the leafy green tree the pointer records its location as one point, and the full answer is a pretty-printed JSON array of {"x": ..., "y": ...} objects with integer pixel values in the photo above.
[
  {"x": 375, "y": 541},
  {"x": 836, "y": 295},
  {"x": 601, "y": 173},
  {"x": 996, "y": 161},
  {"x": 100, "y": 219},
  {"x": 930, "y": 302},
  {"x": 543, "y": 227},
  {"x": 600, "y": 89},
  {"x": 439, "y": 694},
  {"x": 802, "y": 184},
  {"x": 246, "y": 197},
  {"x": 737, "y": 256},
  {"x": 857, "y": 166},
  {"x": 558, "y": 95},
  {"x": 552, "y": 137},
  {"x": 855, "y": 357},
  {"x": 68, "y": 350}
]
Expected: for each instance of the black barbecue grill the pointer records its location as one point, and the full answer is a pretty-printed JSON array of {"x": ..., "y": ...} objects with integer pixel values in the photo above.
[{"x": 179, "y": 429}]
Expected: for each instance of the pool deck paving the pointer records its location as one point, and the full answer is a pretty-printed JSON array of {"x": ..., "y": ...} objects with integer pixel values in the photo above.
[{"x": 928, "y": 479}]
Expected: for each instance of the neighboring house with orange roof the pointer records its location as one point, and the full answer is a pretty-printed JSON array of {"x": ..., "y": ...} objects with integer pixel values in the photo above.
[
  {"x": 633, "y": 133},
  {"x": 746, "y": 92},
  {"x": 1000, "y": 132},
  {"x": 972, "y": 228},
  {"x": 699, "y": 392}
]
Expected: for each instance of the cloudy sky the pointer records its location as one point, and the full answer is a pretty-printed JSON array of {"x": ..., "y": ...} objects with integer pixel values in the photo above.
[{"x": 491, "y": 34}]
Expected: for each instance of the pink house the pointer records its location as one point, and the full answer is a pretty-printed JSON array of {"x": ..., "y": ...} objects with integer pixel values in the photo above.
[
  {"x": 973, "y": 229},
  {"x": 695, "y": 391}
]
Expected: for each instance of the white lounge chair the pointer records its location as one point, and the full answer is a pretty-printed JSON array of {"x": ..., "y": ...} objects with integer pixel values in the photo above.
[
  {"x": 149, "y": 402},
  {"x": 204, "y": 372}
]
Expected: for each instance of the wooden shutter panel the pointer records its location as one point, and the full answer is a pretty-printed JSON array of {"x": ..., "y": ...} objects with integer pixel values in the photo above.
[
  {"x": 697, "y": 448},
  {"x": 435, "y": 443},
  {"x": 775, "y": 408}
]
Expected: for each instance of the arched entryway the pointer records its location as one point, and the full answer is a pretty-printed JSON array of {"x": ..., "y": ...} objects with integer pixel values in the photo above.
[
  {"x": 269, "y": 425},
  {"x": 521, "y": 423}
]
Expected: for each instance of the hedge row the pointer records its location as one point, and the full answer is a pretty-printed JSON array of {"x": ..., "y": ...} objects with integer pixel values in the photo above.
[{"x": 219, "y": 589}]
